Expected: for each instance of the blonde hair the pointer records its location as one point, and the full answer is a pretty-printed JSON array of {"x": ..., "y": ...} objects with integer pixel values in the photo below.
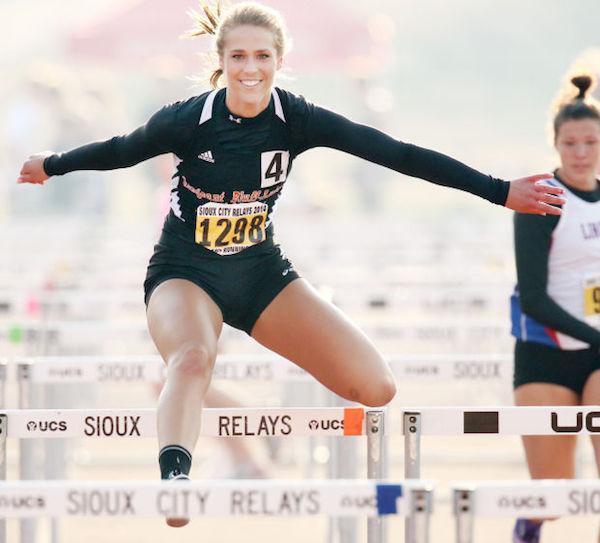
[{"x": 214, "y": 20}]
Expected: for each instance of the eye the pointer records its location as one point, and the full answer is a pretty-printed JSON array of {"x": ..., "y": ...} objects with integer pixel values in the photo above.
[
  {"x": 237, "y": 56},
  {"x": 263, "y": 56}
]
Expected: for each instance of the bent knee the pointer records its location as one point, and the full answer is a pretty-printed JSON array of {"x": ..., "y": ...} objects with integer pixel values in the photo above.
[
  {"x": 379, "y": 393},
  {"x": 193, "y": 360}
]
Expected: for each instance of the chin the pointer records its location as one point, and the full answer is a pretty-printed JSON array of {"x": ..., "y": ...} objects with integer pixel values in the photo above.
[{"x": 251, "y": 100}]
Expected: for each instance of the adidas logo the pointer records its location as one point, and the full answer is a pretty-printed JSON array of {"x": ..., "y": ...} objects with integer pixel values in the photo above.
[
  {"x": 233, "y": 119},
  {"x": 207, "y": 156}
]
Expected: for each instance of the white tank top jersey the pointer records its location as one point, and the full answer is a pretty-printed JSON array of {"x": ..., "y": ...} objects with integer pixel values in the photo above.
[{"x": 574, "y": 264}]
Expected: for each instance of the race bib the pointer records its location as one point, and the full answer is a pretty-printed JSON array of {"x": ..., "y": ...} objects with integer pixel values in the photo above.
[
  {"x": 591, "y": 300},
  {"x": 227, "y": 229}
]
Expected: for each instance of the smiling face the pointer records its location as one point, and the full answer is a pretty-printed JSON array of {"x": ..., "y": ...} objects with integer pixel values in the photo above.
[
  {"x": 249, "y": 62},
  {"x": 578, "y": 144}
]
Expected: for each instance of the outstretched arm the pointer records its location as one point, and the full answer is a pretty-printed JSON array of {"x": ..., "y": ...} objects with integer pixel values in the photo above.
[
  {"x": 158, "y": 136},
  {"x": 324, "y": 128}
]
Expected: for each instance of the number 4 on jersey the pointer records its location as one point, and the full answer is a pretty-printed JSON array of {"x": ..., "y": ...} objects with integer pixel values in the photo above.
[{"x": 273, "y": 167}]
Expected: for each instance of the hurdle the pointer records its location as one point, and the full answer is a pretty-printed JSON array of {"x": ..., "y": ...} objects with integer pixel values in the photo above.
[
  {"x": 33, "y": 331},
  {"x": 149, "y": 369},
  {"x": 262, "y": 367},
  {"x": 515, "y": 420},
  {"x": 141, "y": 423},
  {"x": 214, "y": 498},
  {"x": 421, "y": 296},
  {"x": 447, "y": 331},
  {"x": 521, "y": 420},
  {"x": 531, "y": 499}
]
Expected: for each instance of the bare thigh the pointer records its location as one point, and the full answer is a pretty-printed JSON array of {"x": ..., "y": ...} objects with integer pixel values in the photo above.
[
  {"x": 591, "y": 396},
  {"x": 180, "y": 313},
  {"x": 185, "y": 324},
  {"x": 299, "y": 325},
  {"x": 548, "y": 457}
]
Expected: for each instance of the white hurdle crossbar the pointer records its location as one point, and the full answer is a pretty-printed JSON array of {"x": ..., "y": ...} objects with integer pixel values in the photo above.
[
  {"x": 511, "y": 420},
  {"x": 530, "y": 499},
  {"x": 216, "y": 422},
  {"x": 268, "y": 367},
  {"x": 103, "y": 369},
  {"x": 208, "y": 498}
]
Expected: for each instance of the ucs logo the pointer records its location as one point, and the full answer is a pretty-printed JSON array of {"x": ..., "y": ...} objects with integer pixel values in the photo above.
[
  {"x": 22, "y": 502},
  {"x": 591, "y": 425},
  {"x": 522, "y": 502},
  {"x": 326, "y": 424},
  {"x": 359, "y": 502},
  {"x": 47, "y": 426}
]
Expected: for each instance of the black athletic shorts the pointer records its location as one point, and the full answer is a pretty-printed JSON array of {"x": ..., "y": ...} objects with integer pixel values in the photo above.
[
  {"x": 537, "y": 363},
  {"x": 242, "y": 285}
]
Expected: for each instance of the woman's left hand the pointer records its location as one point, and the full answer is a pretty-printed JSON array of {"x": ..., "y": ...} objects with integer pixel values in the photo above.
[{"x": 531, "y": 195}]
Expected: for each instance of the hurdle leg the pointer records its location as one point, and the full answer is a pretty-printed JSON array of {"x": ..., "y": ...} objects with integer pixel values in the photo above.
[
  {"x": 411, "y": 422},
  {"x": 2, "y": 385},
  {"x": 421, "y": 506},
  {"x": 342, "y": 465},
  {"x": 463, "y": 513},
  {"x": 54, "y": 450},
  {"x": 375, "y": 468},
  {"x": 27, "y": 452},
  {"x": 3, "y": 433}
]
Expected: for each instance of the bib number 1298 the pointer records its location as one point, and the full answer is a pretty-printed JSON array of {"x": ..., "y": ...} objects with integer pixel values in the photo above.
[{"x": 229, "y": 228}]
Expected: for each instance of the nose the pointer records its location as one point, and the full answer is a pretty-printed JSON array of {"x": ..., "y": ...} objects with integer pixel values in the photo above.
[
  {"x": 580, "y": 150},
  {"x": 250, "y": 66}
]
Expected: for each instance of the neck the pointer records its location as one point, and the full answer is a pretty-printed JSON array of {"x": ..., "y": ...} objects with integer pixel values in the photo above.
[
  {"x": 587, "y": 184},
  {"x": 246, "y": 109}
]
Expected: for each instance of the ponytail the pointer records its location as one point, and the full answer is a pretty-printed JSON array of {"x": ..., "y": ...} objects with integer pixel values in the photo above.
[{"x": 213, "y": 20}]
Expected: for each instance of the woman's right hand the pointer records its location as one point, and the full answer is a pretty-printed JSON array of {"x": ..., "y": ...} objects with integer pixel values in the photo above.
[{"x": 33, "y": 169}]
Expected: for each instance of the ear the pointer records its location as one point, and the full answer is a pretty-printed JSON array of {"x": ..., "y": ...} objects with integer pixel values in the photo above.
[
  {"x": 221, "y": 63},
  {"x": 279, "y": 63}
]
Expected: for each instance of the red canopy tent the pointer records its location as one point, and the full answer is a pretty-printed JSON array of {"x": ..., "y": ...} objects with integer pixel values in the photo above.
[{"x": 138, "y": 32}]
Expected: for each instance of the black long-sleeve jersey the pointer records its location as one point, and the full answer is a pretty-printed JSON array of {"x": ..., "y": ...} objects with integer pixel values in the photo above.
[{"x": 230, "y": 170}]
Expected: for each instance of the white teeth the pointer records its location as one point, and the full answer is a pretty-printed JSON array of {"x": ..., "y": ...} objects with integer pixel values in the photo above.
[{"x": 250, "y": 83}]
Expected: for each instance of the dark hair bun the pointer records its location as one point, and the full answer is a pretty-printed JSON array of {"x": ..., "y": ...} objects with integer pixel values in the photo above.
[{"x": 583, "y": 83}]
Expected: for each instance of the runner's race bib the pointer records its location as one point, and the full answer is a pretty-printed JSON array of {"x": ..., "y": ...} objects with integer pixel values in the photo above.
[
  {"x": 227, "y": 229},
  {"x": 591, "y": 300}
]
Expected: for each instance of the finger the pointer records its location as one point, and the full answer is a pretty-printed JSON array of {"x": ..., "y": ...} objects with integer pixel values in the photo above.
[
  {"x": 554, "y": 200},
  {"x": 23, "y": 179},
  {"x": 547, "y": 209},
  {"x": 549, "y": 189},
  {"x": 539, "y": 177}
]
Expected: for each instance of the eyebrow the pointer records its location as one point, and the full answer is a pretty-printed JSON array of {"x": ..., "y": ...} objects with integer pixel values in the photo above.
[{"x": 244, "y": 50}]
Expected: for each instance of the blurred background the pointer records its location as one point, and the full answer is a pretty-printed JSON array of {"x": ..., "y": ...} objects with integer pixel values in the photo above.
[{"x": 422, "y": 269}]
